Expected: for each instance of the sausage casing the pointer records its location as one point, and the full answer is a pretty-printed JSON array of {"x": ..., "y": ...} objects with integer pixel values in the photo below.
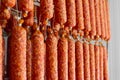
[{"x": 9, "y": 3}]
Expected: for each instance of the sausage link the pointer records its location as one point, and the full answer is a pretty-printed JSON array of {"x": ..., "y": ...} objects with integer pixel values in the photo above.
[
  {"x": 101, "y": 63},
  {"x": 108, "y": 19},
  {"x": 46, "y": 10},
  {"x": 60, "y": 11},
  {"x": 97, "y": 14},
  {"x": 92, "y": 62},
  {"x": 79, "y": 60},
  {"x": 105, "y": 64},
  {"x": 25, "y": 5},
  {"x": 38, "y": 56},
  {"x": 29, "y": 59},
  {"x": 1, "y": 75},
  {"x": 18, "y": 54},
  {"x": 63, "y": 59},
  {"x": 86, "y": 13},
  {"x": 102, "y": 20},
  {"x": 71, "y": 59},
  {"x": 92, "y": 18},
  {"x": 51, "y": 58},
  {"x": 4, "y": 14},
  {"x": 71, "y": 15},
  {"x": 79, "y": 15},
  {"x": 86, "y": 61},
  {"x": 9, "y": 3},
  {"x": 97, "y": 63}
]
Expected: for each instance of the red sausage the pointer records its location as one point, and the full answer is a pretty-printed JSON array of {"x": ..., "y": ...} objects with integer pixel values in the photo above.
[
  {"x": 105, "y": 64},
  {"x": 86, "y": 13},
  {"x": 86, "y": 61},
  {"x": 60, "y": 11},
  {"x": 18, "y": 54},
  {"x": 9, "y": 3},
  {"x": 101, "y": 63},
  {"x": 71, "y": 15},
  {"x": 92, "y": 18},
  {"x": 79, "y": 60},
  {"x": 51, "y": 58},
  {"x": 97, "y": 62},
  {"x": 38, "y": 56},
  {"x": 63, "y": 59},
  {"x": 79, "y": 15},
  {"x": 92, "y": 62},
  {"x": 102, "y": 20},
  {"x": 29, "y": 59},
  {"x": 71, "y": 59},
  {"x": 97, "y": 14}
]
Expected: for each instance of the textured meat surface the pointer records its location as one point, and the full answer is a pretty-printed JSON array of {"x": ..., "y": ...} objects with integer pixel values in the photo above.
[{"x": 1, "y": 52}]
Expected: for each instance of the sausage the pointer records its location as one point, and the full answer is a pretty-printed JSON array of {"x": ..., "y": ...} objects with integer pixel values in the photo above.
[
  {"x": 1, "y": 52},
  {"x": 18, "y": 54},
  {"x": 97, "y": 15},
  {"x": 51, "y": 58},
  {"x": 101, "y": 63},
  {"x": 108, "y": 19},
  {"x": 102, "y": 20},
  {"x": 4, "y": 14},
  {"x": 60, "y": 11},
  {"x": 9, "y": 3},
  {"x": 38, "y": 56},
  {"x": 86, "y": 61},
  {"x": 29, "y": 20},
  {"x": 79, "y": 15},
  {"x": 92, "y": 18},
  {"x": 46, "y": 10},
  {"x": 105, "y": 63},
  {"x": 86, "y": 14},
  {"x": 71, "y": 59},
  {"x": 63, "y": 59},
  {"x": 97, "y": 62},
  {"x": 71, "y": 15},
  {"x": 29, "y": 59},
  {"x": 79, "y": 58},
  {"x": 92, "y": 62}
]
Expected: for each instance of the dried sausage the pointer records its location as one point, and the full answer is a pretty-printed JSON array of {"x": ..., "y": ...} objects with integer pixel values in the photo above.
[
  {"x": 71, "y": 59},
  {"x": 18, "y": 54},
  {"x": 79, "y": 60},
  {"x": 86, "y": 61},
  {"x": 4, "y": 14},
  {"x": 63, "y": 59},
  {"x": 60, "y": 11},
  {"x": 105, "y": 64},
  {"x": 97, "y": 62},
  {"x": 97, "y": 15},
  {"x": 102, "y": 20},
  {"x": 1, "y": 75},
  {"x": 9, "y": 3},
  {"x": 71, "y": 15},
  {"x": 92, "y": 18},
  {"x": 38, "y": 56},
  {"x": 86, "y": 13},
  {"x": 51, "y": 58},
  {"x": 46, "y": 10},
  {"x": 29, "y": 59},
  {"x": 92, "y": 62},
  {"x": 79, "y": 15},
  {"x": 101, "y": 63}
]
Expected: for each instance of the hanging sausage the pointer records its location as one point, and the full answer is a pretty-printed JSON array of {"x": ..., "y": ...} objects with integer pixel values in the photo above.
[
  {"x": 63, "y": 58},
  {"x": 92, "y": 62},
  {"x": 38, "y": 55},
  {"x": 9, "y": 3},
  {"x": 29, "y": 59},
  {"x": 92, "y": 19},
  {"x": 97, "y": 62},
  {"x": 18, "y": 54},
  {"x": 105, "y": 64},
  {"x": 51, "y": 57},
  {"x": 79, "y": 60},
  {"x": 71, "y": 59},
  {"x": 86, "y": 61}
]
